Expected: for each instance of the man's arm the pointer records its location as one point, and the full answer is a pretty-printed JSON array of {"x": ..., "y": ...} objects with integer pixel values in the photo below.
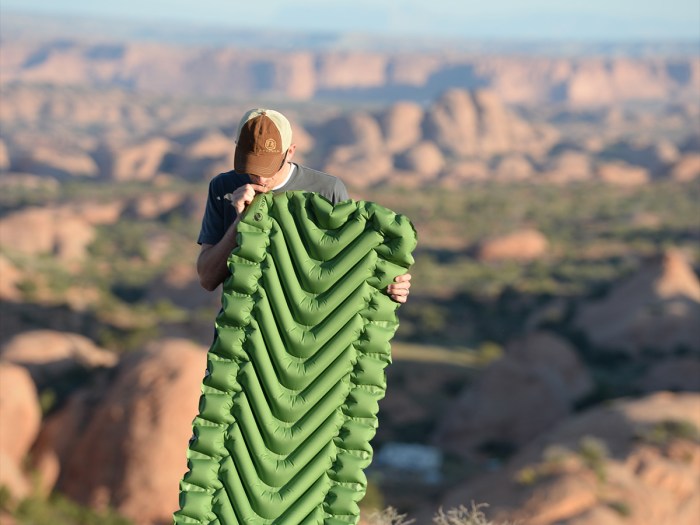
[{"x": 211, "y": 262}]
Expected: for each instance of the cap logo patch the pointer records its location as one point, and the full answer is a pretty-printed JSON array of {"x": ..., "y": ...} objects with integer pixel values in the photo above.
[{"x": 271, "y": 145}]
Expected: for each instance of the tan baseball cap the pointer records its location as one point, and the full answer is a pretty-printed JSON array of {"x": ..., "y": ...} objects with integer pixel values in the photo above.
[{"x": 264, "y": 136}]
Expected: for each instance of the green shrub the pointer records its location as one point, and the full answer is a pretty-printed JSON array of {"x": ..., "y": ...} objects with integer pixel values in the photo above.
[
  {"x": 488, "y": 352},
  {"x": 58, "y": 510},
  {"x": 555, "y": 455},
  {"x": 621, "y": 507},
  {"x": 528, "y": 476},
  {"x": 594, "y": 453},
  {"x": 374, "y": 499},
  {"x": 5, "y": 498},
  {"x": 666, "y": 431},
  {"x": 29, "y": 289},
  {"x": 47, "y": 400},
  {"x": 591, "y": 451}
]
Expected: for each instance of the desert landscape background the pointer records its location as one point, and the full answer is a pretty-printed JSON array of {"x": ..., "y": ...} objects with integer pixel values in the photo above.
[{"x": 548, "y": 361}]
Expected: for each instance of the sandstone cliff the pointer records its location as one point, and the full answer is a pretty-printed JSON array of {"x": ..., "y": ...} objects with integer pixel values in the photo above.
[
  {"x": 635, "y": 462},
  {"x": 657, "y": 308},
  {"x": 302, "y": 75}
]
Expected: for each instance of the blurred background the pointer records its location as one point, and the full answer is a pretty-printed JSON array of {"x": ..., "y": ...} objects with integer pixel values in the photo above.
[{"x": 548, "y": 361}]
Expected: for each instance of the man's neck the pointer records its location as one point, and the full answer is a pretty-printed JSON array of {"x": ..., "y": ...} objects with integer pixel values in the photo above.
[{"x": 285, "y": 178}]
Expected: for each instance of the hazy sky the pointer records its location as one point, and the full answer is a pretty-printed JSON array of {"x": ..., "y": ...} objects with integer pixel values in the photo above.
[{"x": 514, "y": 19}]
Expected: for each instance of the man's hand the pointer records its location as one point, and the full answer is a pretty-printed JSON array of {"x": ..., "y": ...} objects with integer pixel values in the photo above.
[
  {"x": 399, "y": 289},
  {"x": 243, "y": 196}
]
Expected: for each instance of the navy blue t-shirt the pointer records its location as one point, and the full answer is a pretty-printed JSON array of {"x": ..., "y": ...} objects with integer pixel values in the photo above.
[{"x": 219, "y": 214}]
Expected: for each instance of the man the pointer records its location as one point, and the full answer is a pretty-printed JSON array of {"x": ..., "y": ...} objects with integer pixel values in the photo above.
[{"x": 262, "y": 163}]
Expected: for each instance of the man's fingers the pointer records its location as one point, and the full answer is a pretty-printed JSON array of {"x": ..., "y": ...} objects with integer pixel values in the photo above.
[
  {"x": 250, "y": 193},
  {"x": 258, "y": 187},
  {"x": 399, "y": 289},
  {"x": 249, "y": 190},
  {"x": 404, "y": 285},
  {"x": 399, "y": 298},
  {"x": 244, "y": 195}
]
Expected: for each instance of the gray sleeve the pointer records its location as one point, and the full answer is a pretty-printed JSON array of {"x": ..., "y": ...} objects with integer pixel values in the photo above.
[{"x": 340, "y": 192}]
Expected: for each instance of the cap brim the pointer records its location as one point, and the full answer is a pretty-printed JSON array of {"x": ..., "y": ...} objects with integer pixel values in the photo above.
[{"x": 259, "y": 165}]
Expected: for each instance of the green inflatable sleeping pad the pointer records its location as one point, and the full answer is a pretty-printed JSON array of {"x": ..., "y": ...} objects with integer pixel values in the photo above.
[{"x": 290, "y": 396}]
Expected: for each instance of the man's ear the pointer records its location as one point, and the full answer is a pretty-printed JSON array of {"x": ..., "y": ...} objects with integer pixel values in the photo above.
[{"x": 290, "y": 152}]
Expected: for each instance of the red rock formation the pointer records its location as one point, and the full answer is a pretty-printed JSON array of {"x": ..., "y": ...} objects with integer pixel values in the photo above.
[
  {"x": 214, "y": 145},
  {"x": 687, "y": 168},
  {"x": 513, "y": 167},
  {"x": 137, "y": 435},
  {"x": 590, "y": 84},
  {"x": 11, "y": 276},
  {"x": 96, "y": 213},
  {"x": 679, "y": 375},
  {"x": 568, "y": 166},
  {"x": 401, "y": 125},
  {"x": 49, "y": 354},
  {"x": 478, "y": 124},
  {"x": 456, "y": 174},
  {"x": 4, "y": 157},
  {"x": 414, "y": 69},
  {"x": 347, "y": 70},
  {"x": 359, "y": 130},
  {"x": 154, "y": 205},
  {"x": 603, "y": 81},
  {"x": 657, "y": 308},
  {"x": 599, "y": 468},
  {"x": 516, "y": 398},
  {"x": 56, "y": 231},
  {"x": 522, "y": 245},
  {"x": 300, "y": 75},
  {"x": 623, "y": 174},
  {"x": 20, "y": 417},
  {"x": 359, "y": 156},
  {"x": 635, "y": 80},
  {"x": 451, "y": 122},
  {"x": 295, "y": 76},
  {"x": 57, "y": 162},
  {"x": 142, "y": 161},
  {"x": 424, "y": 158},
  {"x": 180, "y": 286},
  {"x": 360, "y": 170}
]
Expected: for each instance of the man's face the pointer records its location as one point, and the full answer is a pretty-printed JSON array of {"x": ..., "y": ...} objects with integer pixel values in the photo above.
[{"x": 261, "y": 181}]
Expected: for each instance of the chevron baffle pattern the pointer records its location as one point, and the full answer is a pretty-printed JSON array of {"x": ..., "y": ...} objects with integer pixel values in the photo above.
[{"x": 290, "y": 396}]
